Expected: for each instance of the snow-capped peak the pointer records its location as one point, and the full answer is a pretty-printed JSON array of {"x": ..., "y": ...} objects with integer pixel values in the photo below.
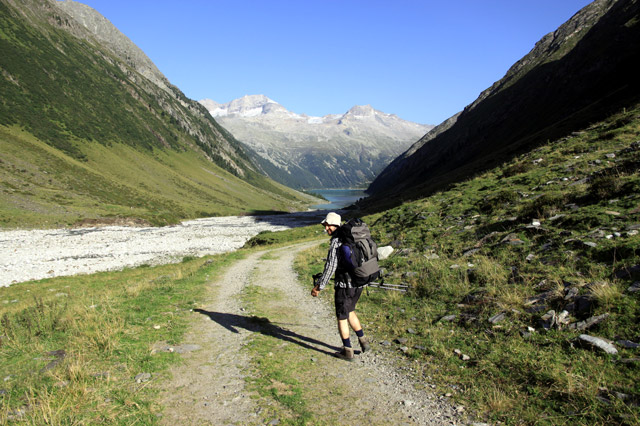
[
  {"x": 247, "y": 106},
  {"x": 362, "y": 111}
]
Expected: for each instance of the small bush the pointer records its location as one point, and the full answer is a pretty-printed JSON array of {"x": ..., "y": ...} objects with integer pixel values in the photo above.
[
  {"x": 41, "y": 320},
  {"x": 518, "y": 168},
  {"x": 497, "y": 200},
  {"x": 605, "y": 186},
  {"x": 546, "y": 205}
]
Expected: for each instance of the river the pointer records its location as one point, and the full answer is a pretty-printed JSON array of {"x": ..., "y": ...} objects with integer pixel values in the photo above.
[
  {"x": 27, "y": 255},
  {"x": 337, "y": 198}
]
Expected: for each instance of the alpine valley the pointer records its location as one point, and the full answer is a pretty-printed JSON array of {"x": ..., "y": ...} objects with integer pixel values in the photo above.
[
  {"x": 335, "y": 151},
  {"x": 514, "y": 226}
]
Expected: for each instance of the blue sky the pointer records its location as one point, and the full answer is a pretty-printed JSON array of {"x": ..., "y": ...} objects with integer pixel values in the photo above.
[{"x": 422, "y": 60}]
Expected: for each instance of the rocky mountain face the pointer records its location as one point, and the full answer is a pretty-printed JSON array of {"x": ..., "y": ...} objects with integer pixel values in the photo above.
[
  {"x": 86, "y": 117},
  {"x": 88, "y": 24},
  {"x": 334, "y": 151},
  {"x": 580, "y": 73},
  {"x": 110, "y": 36}
]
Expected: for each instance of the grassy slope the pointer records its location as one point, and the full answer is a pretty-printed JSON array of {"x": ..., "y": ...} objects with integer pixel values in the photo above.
[
  {"x": 83, "y": 136},
  {"x": 43, "y": 187},
  {"x": 580, "y": 194},
  {"x": 580, "y": 74}
]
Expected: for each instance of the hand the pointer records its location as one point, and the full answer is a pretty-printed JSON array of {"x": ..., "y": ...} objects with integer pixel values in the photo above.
[{"x": 315, "y": 292}]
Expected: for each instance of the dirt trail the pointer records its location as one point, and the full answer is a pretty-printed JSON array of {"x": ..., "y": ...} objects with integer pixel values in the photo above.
[{"x": 210, "y": 387}]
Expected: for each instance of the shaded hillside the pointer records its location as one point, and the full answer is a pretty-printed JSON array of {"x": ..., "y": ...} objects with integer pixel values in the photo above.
[
  {"x": 85, "y": 134},
  {"x": 577, "y": 75}
]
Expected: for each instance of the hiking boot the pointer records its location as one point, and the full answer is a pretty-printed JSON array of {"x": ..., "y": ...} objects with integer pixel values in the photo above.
[
  {"x": 345, "y": 353},
  {"x": 364, "y": 344}
]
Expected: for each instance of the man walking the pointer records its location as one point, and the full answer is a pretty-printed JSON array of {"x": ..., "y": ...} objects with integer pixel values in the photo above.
[{"x": 346, "y": 296}]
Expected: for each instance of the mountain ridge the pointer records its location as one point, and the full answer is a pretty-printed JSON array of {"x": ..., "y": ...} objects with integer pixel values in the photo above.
[
  {"x": 577, "y": 74},
  {"x": 333, "y": 151},
  {"x": 119, "y": 43},
  {"x": 85, "y": 135}
]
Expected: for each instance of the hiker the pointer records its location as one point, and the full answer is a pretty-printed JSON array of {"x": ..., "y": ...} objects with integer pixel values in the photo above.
[{"x": 346, "y": 296}]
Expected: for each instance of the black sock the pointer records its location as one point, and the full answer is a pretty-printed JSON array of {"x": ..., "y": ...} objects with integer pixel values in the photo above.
[
  {"x": 360, "y": 333},
  {"x": 346, "y": 342}
]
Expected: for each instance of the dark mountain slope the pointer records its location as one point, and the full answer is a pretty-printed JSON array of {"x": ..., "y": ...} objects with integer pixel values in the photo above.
[{"x": 577, "y": 75}]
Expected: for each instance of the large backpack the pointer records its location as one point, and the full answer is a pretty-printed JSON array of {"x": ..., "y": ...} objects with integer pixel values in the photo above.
[{"x": 358, "y": 253}]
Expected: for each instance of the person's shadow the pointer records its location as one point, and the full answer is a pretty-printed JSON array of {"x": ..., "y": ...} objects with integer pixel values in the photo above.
[{"x": 262, "y": 325}]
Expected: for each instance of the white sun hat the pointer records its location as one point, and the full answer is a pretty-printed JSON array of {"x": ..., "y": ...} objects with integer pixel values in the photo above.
[{"x": 332, "y": 219}]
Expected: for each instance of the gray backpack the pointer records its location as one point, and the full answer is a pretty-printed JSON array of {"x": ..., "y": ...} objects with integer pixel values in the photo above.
[{"x": 358, "y": 253}]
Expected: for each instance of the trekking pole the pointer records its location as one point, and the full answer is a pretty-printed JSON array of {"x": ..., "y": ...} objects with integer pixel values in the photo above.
[
  {"x": 403, "y": 288},
  {"x": 395, "y": 287}
]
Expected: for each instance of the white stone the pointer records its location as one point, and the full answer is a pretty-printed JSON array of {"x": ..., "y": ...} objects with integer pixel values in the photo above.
[
  {"x": 384, "y": 252},
  {"x": 598, "y": 343}
]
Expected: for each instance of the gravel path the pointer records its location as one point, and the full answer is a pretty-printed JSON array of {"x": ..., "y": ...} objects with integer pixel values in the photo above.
[
  {"x": 27, "y": 255},
  {"x": 209, "y": 387}
]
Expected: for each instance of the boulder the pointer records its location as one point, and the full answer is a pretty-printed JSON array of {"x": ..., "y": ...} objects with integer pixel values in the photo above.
[
  {"x": 635, "y": 287},
  {"x": 540, "y": 297},
  {"x": 630, "y": 272},
  {"x": 470, "y": 252},
  {"x": 548, "y": 320},
  {"x": 142, "y": 377},
  {"x": 512, "y": 239},
  {"x": 384, "y": 252},
  {"x": 581, "y": 304},
  {"x": 588, "y": 323},
  {"x": 628, "y": 344},
  {"x": 597, "y": 343},
  {"x": 571, "y": 293},
  {"x": 448, "y": 318},
  {"x": 562, "y": 319},
  {"x": 497, "y": 318}
]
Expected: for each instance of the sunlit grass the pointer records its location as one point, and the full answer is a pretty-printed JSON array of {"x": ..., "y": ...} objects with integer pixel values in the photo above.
[{"x": 72, "y": 346}]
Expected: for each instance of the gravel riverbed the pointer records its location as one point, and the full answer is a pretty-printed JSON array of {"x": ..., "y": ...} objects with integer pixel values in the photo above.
[{"x": 27, "y": 255}]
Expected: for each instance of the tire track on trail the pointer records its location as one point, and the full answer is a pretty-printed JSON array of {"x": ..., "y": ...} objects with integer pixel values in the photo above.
[{"x": 210, "y": 387}]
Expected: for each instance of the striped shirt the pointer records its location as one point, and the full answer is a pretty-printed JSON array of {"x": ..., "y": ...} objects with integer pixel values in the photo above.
[{"x": 331, "y": 266}]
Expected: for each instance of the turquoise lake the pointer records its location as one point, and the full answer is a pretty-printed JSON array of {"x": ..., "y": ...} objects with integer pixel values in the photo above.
[{"x": 338, "y": 198}]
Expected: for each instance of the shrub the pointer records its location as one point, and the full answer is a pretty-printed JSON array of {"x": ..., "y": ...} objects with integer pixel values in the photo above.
[
  {"x": 40, "y": 320},
  {"x": 605, "y": 186},
  {"x": 544, "y": 206},
  {"x": 497, "y": 200},
  {"x": 517, "y": 168}
]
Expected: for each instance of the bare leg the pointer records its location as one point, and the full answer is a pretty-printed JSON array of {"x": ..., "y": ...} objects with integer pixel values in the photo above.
[
  {"x": 354, "y": 322},
  {"x": 343, "y": 325},
  {"x": 343, "y": 328}
]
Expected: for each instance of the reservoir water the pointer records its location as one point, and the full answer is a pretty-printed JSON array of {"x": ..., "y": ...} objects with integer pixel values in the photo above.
[{"x": 338, "y": 198}]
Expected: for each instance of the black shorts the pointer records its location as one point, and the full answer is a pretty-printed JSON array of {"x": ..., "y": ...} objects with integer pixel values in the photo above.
[{"x": 345, "y": 300}]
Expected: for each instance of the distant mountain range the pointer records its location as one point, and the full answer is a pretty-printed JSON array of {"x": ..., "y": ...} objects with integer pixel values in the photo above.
[
  {"x": 574, "y": 76},
  {"x": 334, "y": 151}
]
